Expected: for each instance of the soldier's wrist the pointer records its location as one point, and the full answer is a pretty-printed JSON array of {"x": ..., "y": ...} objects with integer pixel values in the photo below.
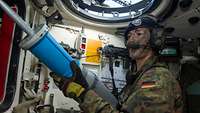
[{"x": 82, "y": 96}]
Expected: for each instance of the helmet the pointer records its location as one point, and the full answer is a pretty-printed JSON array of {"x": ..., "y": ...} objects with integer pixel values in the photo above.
[{"x": 147, "y": 21}]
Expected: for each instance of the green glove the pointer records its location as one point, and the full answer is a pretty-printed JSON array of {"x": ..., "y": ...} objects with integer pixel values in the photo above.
[{"x": 74, "y": 87}]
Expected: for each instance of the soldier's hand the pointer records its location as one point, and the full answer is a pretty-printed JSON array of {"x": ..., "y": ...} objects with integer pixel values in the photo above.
[{"x": 74, "y": 87}]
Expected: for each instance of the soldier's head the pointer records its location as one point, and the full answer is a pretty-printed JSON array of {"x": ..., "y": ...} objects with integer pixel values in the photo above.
[{"x": 140, "y": 36}]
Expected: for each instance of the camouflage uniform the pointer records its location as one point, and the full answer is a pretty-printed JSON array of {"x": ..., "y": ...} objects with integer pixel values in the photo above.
[{"x": 154, "y": 91}]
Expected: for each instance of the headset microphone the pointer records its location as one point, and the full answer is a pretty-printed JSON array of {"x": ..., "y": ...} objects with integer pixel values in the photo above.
[{"x": 134, "y": 45}]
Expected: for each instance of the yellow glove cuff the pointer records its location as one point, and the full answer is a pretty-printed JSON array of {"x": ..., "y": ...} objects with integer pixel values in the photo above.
[{"x": 75, "y": 88}]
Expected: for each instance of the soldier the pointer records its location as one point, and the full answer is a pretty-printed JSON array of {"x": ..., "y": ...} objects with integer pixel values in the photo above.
[{"x": 155, "y": 89}]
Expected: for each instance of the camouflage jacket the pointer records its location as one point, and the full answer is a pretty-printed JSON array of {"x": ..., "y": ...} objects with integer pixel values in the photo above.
[{"x": 155, "y": 91}]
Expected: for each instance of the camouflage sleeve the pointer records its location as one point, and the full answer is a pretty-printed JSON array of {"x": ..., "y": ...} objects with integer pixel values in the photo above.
[
  {"x": 94, "y": 104},
  {"x": 154, "y": 93}
]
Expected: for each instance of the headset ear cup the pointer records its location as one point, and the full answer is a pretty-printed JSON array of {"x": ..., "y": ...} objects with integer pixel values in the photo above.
[
  {"x": 152, "y": 39},
  {"x": 158, "y": 43},
  {"x": 155, "y": 41}
]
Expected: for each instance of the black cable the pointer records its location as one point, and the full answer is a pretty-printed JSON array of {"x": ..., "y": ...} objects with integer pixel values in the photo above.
[{"x": 115, "y": 90}]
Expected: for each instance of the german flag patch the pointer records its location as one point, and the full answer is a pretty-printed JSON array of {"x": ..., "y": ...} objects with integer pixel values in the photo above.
[{"x": 149, "y": 84}]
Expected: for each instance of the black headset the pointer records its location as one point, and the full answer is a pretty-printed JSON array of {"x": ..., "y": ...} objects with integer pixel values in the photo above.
[{"x": 155, "y": 42}]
